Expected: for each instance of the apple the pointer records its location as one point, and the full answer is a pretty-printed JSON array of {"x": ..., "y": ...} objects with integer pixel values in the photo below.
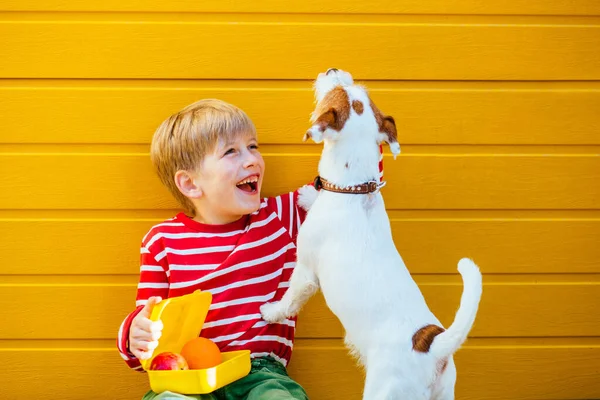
[{"x": 169, "y": 361}]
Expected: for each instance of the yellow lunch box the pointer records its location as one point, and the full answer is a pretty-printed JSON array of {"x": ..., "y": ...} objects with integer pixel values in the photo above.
[{"x": 183, "y": 318}]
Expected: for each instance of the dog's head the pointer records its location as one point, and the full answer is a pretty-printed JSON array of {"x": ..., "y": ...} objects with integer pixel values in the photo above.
[{"x": 346, "y": 113}]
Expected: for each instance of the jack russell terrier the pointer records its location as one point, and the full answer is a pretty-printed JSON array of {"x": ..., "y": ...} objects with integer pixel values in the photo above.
[{"x": 345, "y": 247}]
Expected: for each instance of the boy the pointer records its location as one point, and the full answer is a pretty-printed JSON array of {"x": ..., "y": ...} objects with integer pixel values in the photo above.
[{"x": 228, "y": 242}]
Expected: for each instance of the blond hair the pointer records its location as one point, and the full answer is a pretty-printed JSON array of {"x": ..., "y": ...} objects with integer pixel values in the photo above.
[{"x": 183, "y": 140}]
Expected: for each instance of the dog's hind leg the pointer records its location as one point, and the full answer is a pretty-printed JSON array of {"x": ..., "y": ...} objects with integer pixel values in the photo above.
[
  {"x": 387, "y": 380},
  {"x": 303, "y": 284},
  {"x": 444, "y": 386},
  {"x": 393, "y": 388}
]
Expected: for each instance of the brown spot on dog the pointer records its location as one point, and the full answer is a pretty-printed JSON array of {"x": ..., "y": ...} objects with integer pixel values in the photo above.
[
  {"x": 334, "y": 110},
  {"x": 423, "y": 338},
  {"x": 386, "y": 124},
  {"x": 358, "y": 107}
]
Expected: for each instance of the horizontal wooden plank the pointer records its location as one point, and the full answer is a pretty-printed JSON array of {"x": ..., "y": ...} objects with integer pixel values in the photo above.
[
  {"x": 326, "y": 372},
  {"x": 482, "y": 181},
  {"x": 499, "y": 247},
  {"x": 274, "y": 50},
  {"x": 533, "y": 7},
  {"x": 507, "y": 310},
  {"x": 438, "y": 115},
  {"x": 428, "y": 246}
]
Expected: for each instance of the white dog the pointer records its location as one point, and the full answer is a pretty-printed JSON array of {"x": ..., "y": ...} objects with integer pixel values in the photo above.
[{"x": 345, "y": 247}]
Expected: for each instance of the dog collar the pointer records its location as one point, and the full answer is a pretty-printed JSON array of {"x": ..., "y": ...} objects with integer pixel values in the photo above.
[{"x": 363, "y": 188}]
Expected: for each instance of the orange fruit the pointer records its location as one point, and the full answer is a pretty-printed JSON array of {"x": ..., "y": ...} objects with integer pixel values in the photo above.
[{"x": 201, "y": 353}]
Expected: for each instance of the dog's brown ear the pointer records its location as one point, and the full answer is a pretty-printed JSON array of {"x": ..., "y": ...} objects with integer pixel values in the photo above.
[
  {"x": 388, "y": 128},
  {"x": 386, "y": 124},
  {"x": 388, "y": 133},
  {"x": 332, "y": 112},
  {"x": 330, "y": 119}
]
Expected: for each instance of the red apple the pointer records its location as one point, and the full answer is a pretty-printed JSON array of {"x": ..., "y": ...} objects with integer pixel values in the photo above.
[{"x": 168, "y": 361}]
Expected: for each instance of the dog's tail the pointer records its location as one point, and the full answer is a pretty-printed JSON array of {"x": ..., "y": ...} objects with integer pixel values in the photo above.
[{"x": 448, "y": 342}]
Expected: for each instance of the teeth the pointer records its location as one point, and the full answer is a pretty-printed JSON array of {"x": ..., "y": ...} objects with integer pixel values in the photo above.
[{"x": 251, "y": 179}]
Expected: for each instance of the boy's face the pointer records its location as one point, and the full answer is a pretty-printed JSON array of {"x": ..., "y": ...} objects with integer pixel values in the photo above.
[{"x": 230, "y": 179}]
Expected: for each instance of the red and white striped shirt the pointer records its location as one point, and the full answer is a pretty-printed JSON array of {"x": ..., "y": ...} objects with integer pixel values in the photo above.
[{"x": 243, "y": 264}]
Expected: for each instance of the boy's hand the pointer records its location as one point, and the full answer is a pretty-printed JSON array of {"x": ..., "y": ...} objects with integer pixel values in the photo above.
[{"x": 144, "y": 333}]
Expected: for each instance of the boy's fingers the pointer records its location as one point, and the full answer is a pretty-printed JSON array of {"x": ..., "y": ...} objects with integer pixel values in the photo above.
[
  {"x": 156, "y": 334},
  {"x": 144, "y": 334},
  {"x": 147, "y": 330},
  {"x": 152, "y": 301},
  {"x": 136, "y": 354},
  {"x": 141, "y": 324},
  {"x": 144, "y": 346},
  {"x": 156, "y": 326},
  {"x": 145, "y": 355},
  {"x": 142, "y": 355}
]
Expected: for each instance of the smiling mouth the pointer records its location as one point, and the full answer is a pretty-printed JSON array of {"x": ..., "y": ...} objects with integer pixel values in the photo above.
[{"x": 248, "y": 185}]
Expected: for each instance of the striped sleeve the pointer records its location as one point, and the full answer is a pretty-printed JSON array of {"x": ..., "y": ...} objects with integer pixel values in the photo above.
[
  {"x": 289, "y": 212},
  {"x": 380, "y": 163},
  {"x": 123, "y": 341},
  {"x": 153, "y": 282}
]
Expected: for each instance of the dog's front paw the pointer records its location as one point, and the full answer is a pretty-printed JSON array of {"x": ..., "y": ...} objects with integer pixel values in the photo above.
[
  {"x": 307, "y": 195},
  {"x": 272, "y": 312}
]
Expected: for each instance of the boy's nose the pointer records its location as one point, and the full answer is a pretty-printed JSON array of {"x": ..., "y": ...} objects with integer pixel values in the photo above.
[{"x": 250, "y": 160}]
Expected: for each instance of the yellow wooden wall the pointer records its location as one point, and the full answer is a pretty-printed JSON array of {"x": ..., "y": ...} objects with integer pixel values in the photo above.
[{"x": 498, "y": 109}]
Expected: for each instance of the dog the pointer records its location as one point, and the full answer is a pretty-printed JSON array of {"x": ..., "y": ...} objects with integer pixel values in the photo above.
[{"x": 345, "y": 248}]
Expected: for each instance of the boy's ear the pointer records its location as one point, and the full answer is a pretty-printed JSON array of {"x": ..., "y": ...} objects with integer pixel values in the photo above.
[{"x": 186, "y": 184}]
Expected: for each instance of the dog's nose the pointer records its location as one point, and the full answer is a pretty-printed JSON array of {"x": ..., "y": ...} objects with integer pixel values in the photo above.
[{"x": 331, "y": 70}]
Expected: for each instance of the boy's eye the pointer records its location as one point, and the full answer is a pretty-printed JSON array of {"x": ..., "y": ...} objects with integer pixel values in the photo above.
[
  {"x": 230, "y": 151},
  {"x": 253, "y": 146}
]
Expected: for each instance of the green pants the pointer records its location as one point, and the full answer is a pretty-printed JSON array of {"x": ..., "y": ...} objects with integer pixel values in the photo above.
[{"x": 268, "y": 380}]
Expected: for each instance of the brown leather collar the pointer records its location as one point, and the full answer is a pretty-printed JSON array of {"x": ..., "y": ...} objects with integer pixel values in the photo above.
[{"x": 363, "y": 188}]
